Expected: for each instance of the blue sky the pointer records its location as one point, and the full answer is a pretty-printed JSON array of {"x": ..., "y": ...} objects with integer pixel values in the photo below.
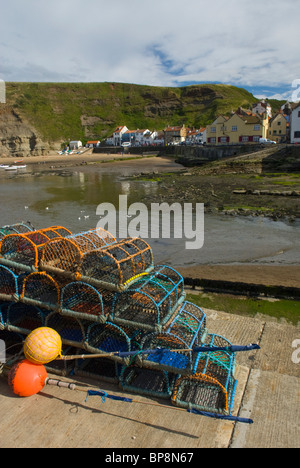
[{"x": 254, "y": 44}]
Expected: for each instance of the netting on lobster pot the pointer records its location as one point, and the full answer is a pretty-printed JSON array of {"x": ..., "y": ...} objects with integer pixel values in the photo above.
[
  {"x": 103, "y": 368},
  {"x": 15, "y": 229},
  {"x": 3, "y": 314},
  {"x": 166, "y": 352},
  {"x": 64, "y": 256},
  {"x": 9, "y": 289},
  {"x": 212, "y": 385},
  {"x": 24, "y": 318},
  {"x": 150, "y": 382},
  {"x": 71, "y": 330},
  {"x": 115, "y": 266},
  {"x": 107, "y": 338},
  {"x": 82, "y": 300},
  {"x": 42, "y": 290},
  {"x": 24, "y": 251},
  {"x": 151, "y": 301},
  {"x": 93, "y": 239},
  {"x": 189, "y": 324}
]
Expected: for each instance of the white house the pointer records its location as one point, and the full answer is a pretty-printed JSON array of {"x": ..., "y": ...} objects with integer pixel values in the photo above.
[
  {"x": 75, "y": 145},
  {"x": 196, "y": 137},
  {"x": 261, "y": 107},
  {"x": 149, "y": 137},
  {"x": 295, "y": 123},
  {"x": 117, "y": 135}
]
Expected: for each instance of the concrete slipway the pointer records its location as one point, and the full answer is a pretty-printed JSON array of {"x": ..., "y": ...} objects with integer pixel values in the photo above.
[{"x": 268, "y": 392}]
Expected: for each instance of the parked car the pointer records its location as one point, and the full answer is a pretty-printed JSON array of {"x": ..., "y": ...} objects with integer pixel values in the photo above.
[{"x": 266, "y": 141}]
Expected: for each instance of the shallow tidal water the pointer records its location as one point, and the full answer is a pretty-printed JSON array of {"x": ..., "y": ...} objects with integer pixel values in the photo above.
[{"x": 71, "y": 201}]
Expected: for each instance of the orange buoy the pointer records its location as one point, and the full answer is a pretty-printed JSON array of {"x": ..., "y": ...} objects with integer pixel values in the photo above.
[
  {"x": 27, "y": 379},
  {"x": 42, "y": 345}
]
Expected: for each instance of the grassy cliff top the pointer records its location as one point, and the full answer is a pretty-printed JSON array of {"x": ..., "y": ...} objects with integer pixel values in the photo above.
[{"x": 67, "y": 111}]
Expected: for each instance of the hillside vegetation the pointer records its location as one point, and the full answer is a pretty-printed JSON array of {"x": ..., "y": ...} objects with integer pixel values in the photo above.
[{"x": 63, "y": 111}]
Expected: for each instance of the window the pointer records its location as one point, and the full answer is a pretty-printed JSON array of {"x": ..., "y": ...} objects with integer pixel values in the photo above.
[
  {"x": 213, "y": 129},
  {"x": 245, "y": 139},
  {"x": 224, "y": 139},
  {"x": 256, "y": 138},
  {"x": 212, "y": 140},
  {"x": 256, "y": 127},
  {"x": 278, "y": 123},
  {"x": 297, "y": 134},
  {"x": 298, "y": 113},
  {"x": 234, "y": 128}
]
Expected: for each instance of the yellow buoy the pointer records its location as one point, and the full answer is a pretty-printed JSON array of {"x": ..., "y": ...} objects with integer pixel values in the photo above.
[{"x": 42, "y": 345}]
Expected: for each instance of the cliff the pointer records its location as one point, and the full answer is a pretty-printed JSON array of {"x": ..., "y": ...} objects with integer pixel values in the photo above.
[{"x": 18, "y": 138}]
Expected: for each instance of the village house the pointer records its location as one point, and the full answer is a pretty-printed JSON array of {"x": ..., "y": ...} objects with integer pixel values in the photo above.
[
  {"x": 118, "y": 135},
  {"x": 92, "y": 143},
  {"x": 175, "y": 134},
  {"x": 135, "y": 137},
  {"x": 279, "y": 128},
  {"x": 241, "y": 127},
  {"x": 149, "y": 138},
  {"x": 75, "y": 145},
  {"x": 196, "y": 137},
  {"x": 295, "y": 123},
  {"x": 262, "y": 107}
]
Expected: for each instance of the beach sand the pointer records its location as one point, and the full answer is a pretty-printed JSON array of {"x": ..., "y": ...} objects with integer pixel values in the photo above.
[{"x": 269, "y": 275}]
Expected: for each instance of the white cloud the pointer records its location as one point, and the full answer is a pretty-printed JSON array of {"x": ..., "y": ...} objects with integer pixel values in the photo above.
[{"x": 159, "y": 43}]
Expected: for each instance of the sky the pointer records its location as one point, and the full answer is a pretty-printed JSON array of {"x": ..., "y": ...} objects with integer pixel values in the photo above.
[{"x": 249, "y": 44}]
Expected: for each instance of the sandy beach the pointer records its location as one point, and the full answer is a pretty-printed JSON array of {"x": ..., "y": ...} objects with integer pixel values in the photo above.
[{"x": 68, "y": 159}]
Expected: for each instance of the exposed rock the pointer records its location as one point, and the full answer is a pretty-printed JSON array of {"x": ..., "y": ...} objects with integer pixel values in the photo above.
[{"x": 18, "y": 138}]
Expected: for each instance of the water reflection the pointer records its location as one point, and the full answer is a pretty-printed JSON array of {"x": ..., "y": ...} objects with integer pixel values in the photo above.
[{"x": 71, "y": 201}]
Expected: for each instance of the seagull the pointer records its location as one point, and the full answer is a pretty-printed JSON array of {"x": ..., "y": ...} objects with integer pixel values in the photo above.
[
  {"x": 86, "y": 216},
  {"x": 26, "y": 207},
  {"x": 47, "y": 208}
]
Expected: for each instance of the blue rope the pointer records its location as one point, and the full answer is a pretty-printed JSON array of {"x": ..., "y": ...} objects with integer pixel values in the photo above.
[
  {"x": 105, "y": 395},
  {"x": 220, "y": 416}
]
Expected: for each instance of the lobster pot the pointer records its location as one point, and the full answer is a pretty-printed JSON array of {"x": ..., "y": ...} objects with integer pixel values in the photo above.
[
  {"x": 15, "y": 229},
  {"x": 42, "y": 290},
  {"x": 71, "y": 330},
  {"x": 93, "y": 240},
  {"x": 135, "y": 336},
  {"x": 23, "y": 318},
  {"x": 3, "y": 314},
  {"x": 103, "y": 369},
  {"x": 24, "y": 251},
  {"x": 189, "y": 324},
  {"x": 212, "y": 387},
  {"x": 150, "y": 382},
  {"x": 151, "y": 301},
  {"x": 64, "y": 256},
  {"x": 116, "y": 266},
  {"x": 107, "y": 338},
  {"x": 171, "y": 357},
  {"x": 9, "y": 288},
  {"x": 82, "y": 300}
]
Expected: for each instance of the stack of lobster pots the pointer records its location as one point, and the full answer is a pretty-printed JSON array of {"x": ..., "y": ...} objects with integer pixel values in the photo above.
[{"x": 105, "y": 296}]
